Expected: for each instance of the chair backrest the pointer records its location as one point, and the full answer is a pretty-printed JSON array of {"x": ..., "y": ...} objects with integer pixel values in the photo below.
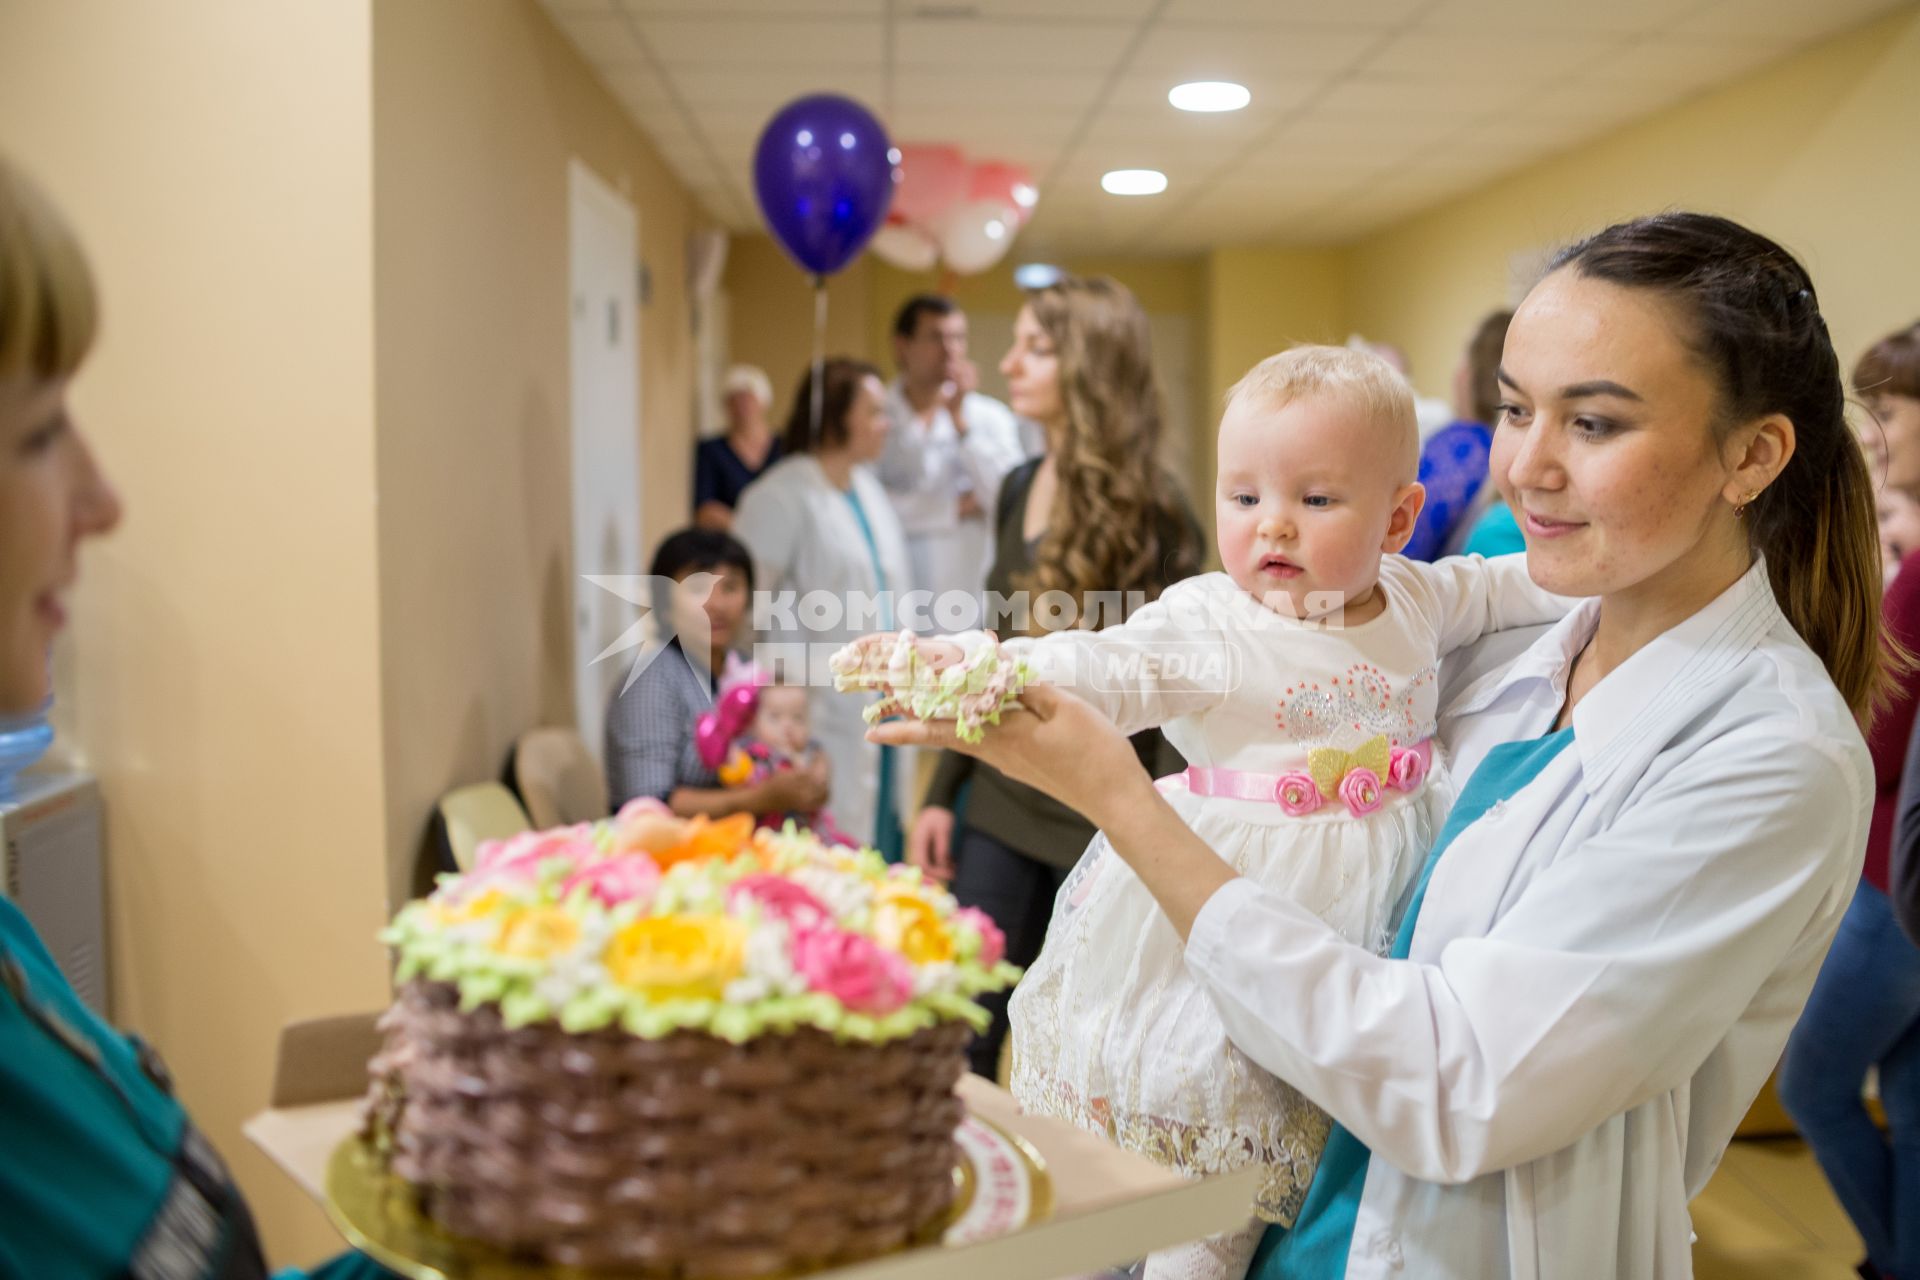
[
  {"x": 558, "y": 779},
  {"x": 483, "y": 811}
]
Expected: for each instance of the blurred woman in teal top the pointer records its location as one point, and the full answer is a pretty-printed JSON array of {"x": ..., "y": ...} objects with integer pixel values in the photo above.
[{"x": 102, "y": 1173}]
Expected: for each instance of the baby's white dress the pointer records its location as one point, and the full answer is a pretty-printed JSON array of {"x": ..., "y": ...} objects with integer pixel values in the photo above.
[{"x": 1109, "y": 1031}]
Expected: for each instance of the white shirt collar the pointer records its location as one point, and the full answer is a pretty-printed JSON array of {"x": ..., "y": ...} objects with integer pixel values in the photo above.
[{"x": 1657, "y": 679}]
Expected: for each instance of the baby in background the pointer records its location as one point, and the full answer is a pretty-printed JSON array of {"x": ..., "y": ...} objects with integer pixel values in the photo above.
[
  {"x": 1299, "y": 684},
  {"x": 757, "y": 729}
]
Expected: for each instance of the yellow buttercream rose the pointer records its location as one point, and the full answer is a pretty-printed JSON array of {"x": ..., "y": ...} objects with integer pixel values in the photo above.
[
  {"x": 908, "y": 923},
  {"x": 678, "y": 957},
  {"x": 539, "y": 933},
  {"x": 478, "y": 907}
]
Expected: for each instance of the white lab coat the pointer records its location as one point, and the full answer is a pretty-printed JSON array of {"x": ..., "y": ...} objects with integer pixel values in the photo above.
[
  {"x": 1606, "y": 966},
  {"x": 927, "y": 466},
  {"x": 805, "y": 538}
]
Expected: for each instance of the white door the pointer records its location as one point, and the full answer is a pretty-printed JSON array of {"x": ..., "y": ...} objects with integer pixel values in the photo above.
[{"x": 606, "y": 438}]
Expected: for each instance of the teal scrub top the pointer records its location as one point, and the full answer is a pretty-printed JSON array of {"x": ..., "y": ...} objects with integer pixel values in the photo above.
[{"x": 92, "y": 1144}]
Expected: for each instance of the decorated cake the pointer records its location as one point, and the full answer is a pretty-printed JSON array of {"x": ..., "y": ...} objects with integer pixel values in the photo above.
[{"x": 686, "y": 1048}]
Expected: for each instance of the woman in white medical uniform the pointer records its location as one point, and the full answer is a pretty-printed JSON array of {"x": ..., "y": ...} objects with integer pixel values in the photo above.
[{"x": 1665, "y": 811}]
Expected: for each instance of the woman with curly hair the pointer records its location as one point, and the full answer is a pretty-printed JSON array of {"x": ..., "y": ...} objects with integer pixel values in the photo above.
[{"x": 1095, "y": 513}]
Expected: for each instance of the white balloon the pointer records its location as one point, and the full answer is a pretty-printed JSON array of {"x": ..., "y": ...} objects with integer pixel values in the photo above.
[
  {"x": 976, "y": 234},
  {"x": 906, "y": 247}
]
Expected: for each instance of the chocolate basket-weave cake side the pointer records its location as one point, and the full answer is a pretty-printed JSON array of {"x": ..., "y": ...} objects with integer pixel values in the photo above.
[{"x": 745, "y": 1067}]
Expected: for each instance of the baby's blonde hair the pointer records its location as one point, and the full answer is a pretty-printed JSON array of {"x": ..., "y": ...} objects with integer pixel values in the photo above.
[{"x": 1361, "y": 380}]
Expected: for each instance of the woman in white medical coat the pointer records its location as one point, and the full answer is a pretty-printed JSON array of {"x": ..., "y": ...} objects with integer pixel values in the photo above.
[
  {"x": 1616, "y": 931},
  {"x": 830, "y": 561}
]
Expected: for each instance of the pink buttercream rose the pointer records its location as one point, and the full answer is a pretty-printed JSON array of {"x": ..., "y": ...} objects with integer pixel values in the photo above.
[
  {"x": 1360, "y": 789},
  {"x": 993, "y": 943},
  {"x": 621, "y": 878},
  {"x": 1298, "y": 794},
  {"x": 1407, "y": 770},
  {"x": 856, "y": 971},
  {"x": 640, "y": 806},
  {"x": 519, "y": 857},
  {"x": 782, "y": 899}
]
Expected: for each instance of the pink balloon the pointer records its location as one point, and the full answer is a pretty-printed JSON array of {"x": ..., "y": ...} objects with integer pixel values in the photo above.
[
  {"x": 908, "y": 248},
  {"x": 1010, "y": 184},
  {"x": 933, "y": 178}
]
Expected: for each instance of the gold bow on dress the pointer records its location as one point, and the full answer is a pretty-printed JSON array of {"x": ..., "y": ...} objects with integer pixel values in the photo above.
[{"x": 1329, "y": 765}]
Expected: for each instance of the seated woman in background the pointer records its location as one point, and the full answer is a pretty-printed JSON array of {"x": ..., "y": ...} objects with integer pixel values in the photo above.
[{"x": 650, "y": 746}]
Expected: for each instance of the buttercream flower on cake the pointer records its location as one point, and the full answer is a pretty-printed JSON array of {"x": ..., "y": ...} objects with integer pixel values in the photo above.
[
  {"x": 909, "y": 924},
  {"x": 678, "y": 957},
  {"x": 538, "y": 933},
  {"x": 993, "y": 943},
  {"x": 862, "y": 975},
  {"x": 624, "y": 877},
  {"x": 781, "y": 898}
]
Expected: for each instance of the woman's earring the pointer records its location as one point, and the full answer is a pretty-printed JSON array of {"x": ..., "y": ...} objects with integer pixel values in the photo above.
[{"x": 1746, "y": 500}]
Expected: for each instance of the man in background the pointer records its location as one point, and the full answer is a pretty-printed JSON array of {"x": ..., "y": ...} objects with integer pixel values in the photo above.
[{"x": 948, "y": 450}]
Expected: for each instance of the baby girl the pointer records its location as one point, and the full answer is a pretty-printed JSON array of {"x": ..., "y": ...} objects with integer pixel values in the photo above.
[
  {"x": 757, "y": 729},
  {"x": 1299, "y": 684}
]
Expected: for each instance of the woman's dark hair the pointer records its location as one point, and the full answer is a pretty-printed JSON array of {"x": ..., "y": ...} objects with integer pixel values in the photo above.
[
  {"x": 841, "y": 376},
  {"x": 695, "y": 551},
  {"x": 1891, "y": 366},
  {"x": 1483, "y": 365},
  {"x": 1758, "y": 330}
]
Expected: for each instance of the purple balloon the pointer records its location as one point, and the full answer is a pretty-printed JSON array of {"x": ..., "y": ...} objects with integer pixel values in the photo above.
[{"x": 824, "y": 173}]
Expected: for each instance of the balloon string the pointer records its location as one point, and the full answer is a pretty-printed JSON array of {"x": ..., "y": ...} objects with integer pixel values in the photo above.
[{"x": 819, "y": 379}]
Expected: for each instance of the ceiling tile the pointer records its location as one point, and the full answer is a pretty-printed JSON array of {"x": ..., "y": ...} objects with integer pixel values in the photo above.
[
  {"x": 1106, "y": 11},
  {"x": 1487, "y": 55},
  {"x": 720, "y": 42},
  {"x": 605, "y": 39},
  {"x": 1793, "y": 20},
  {"x": 1364, "y": 13},
  {"x": 1041, "y": 46},
  {"x": 1370, "y": 95},
  {"x": 766, "y": 89},
  {"x": 962, "y": 94},
  {"x": 1617, "y": 17},
  {"x": 1247, "y": 52},
  {"x": 755, "y": 8},
  {"x": 1684, "y": 62}
]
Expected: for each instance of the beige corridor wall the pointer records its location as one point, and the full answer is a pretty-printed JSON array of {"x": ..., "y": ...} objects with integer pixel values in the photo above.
[
  {"x": 1818, "y": 152},
  {"x": 222, "y": 670},
  {"x": 477, "y": 109}
]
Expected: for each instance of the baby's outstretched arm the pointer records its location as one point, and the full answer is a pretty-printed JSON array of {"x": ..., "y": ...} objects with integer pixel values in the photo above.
[
  {"x": 1168, "y": 660},
  {"x": 1468, "y": 597}
]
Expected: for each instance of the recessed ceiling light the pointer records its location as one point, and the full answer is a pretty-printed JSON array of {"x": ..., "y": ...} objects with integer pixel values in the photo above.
[
  {"x": 1209, "y": 95},
  {"x": 1134, "y": 182},
  {"x": 1036, "y": 275}
]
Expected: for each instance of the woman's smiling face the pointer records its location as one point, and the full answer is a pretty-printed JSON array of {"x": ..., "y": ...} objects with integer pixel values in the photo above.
[{"x": 1605, "y": 444}]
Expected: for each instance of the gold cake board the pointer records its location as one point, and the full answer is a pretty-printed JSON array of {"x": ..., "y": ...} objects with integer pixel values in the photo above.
[{"x": 1107, "y": 1206}]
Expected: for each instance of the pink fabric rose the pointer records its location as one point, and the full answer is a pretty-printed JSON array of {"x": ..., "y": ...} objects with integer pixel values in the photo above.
[
  {"x": 783, "y": 900},
  {"x": 620, "y": 878},
  {"x": 1298, "y": 794},
  {"x": 993, "y": 943},
  {"x": 1360, "y": 789},
  {"x": 519, "y": 857},
  {"x": 856, "y": 971},
  {"x": 1407, "y": 770}
]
